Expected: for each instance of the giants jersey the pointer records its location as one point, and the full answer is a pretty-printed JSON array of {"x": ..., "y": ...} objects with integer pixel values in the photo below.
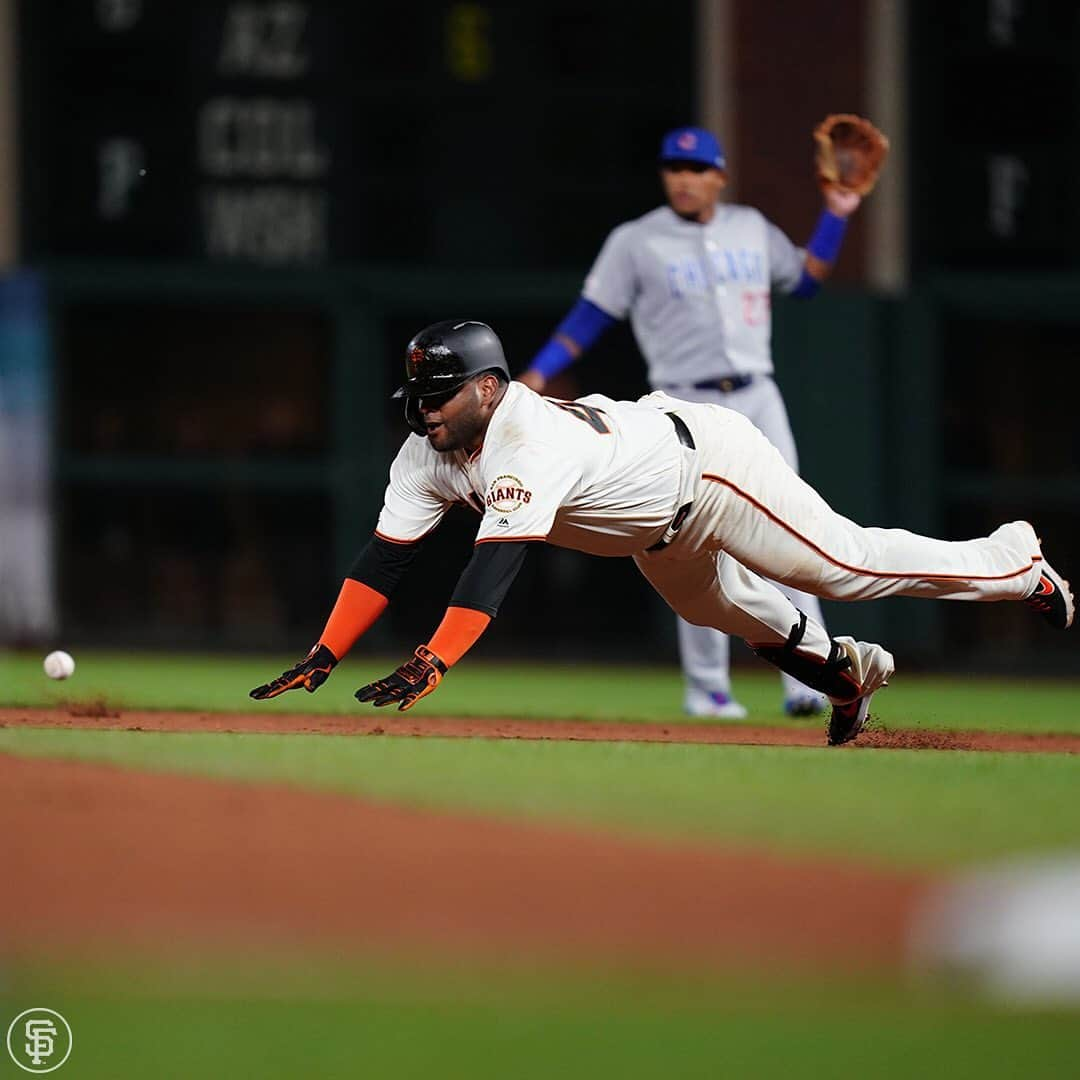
[
  {"x": 698, "y": 296},
  {"x": 596, "y": 475}
]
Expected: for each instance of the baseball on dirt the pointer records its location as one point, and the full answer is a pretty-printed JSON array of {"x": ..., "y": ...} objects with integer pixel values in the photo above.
[{"x": 59, "y": 665}]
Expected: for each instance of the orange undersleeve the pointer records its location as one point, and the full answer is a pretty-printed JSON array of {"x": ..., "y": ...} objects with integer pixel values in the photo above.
[
  {"x": 357, "y": 607},
  {"x": 457, "y": 633}
]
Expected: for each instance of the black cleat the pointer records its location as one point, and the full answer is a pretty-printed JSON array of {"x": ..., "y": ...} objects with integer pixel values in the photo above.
[
  {"x": 846, "y": 721},
  {"x": 1052, "y": 598}
]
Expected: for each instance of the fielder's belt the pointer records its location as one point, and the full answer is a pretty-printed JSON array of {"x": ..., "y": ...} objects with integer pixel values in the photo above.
[
  {"x": 726, "y": 384},
  {"x": 684, "y": 436}
]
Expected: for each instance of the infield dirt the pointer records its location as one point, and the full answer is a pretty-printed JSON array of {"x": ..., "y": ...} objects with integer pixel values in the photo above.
[
  {"x": 98, "y": 856},
  {"x": 104, "y": 717},
  {"x": 101, "y": 857}
]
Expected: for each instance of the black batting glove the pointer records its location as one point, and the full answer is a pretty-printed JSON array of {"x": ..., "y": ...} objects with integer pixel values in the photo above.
[
  {"x": 310, "y": 673},
  {"x": 416, "y": 678}
]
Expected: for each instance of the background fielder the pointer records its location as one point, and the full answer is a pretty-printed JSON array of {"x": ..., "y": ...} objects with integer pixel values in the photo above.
[
  {"x": 695, "y": 279},
  {"x": 700, "y": 499}
]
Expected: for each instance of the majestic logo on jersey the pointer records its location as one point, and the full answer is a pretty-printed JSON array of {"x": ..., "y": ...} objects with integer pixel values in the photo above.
[{"x": 507, "y": 494}]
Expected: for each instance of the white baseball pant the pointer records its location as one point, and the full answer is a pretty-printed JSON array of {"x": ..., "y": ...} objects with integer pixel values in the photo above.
[
  {"x": 704, "y": 651},
  {"x": 755, "y": 518}
]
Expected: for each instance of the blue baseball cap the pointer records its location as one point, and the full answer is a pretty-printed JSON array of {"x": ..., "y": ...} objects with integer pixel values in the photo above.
[{"x": 692, "y": 144}]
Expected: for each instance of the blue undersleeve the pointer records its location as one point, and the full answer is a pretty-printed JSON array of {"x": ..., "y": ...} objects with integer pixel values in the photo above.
[
  {"x": 824, "y": 244},
  {"x": 583, "y": 325}
]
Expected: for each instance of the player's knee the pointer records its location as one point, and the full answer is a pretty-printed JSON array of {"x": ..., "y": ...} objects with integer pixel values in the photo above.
[
  {"x": 828, "y": 590},
  {"x": 695, "y": 615}
]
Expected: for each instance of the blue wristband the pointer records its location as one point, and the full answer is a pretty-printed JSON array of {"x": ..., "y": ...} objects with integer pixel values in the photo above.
[
  {"x": 583, "y": 325},
  {"x": 828, "y": 236},
  {"x": 551, "y": 359},
  {"x": 806, "y": 288}
]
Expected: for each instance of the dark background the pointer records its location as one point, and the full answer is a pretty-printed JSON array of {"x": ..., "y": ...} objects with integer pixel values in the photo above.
[
  {"x": 461, "y": 135},
  {"x": 320, "y": 180}
]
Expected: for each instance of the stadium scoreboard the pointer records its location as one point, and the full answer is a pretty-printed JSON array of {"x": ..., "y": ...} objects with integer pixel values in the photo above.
[
  {"x": 292, "y": 133},
  {"x": 995, "y": 134}
]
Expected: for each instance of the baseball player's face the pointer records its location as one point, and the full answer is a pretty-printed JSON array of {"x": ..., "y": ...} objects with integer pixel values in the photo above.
[
  {"x": 458, "y": 421},
  {"x": 692, "y": 189}
]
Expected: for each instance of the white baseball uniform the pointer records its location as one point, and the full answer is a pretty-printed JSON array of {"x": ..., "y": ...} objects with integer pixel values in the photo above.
[
  {"x": 699, "y": 301},
  {"x": 609, "y": 477}
]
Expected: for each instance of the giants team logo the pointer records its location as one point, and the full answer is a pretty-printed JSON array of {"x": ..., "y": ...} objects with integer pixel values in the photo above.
[
  {"x": 39, "y": 1040},
  {"x": 507, "y": 494},
  {"x": 417, "y": 356}
]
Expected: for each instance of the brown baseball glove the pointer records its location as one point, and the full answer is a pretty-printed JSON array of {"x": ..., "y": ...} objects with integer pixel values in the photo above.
[{"x": 850, "y": 152}]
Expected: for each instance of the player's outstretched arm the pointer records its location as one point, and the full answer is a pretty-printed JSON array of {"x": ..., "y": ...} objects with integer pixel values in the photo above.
[
  {"x": 423, "y": 671},
  {"x": 364, "y": 596},
  {"x": 475, "y": 602},
  {"x": 578, "y": 332}
]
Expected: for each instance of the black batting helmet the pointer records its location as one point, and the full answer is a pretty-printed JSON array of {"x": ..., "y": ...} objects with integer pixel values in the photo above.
[{"x": 443, "y": 357}]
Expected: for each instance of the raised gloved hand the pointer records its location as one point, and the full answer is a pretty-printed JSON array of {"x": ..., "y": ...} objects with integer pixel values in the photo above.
[
  {"x": 310, "y": 673},
  {"x": 413, "y": 680},
  {"x": 850, "y": 153}
]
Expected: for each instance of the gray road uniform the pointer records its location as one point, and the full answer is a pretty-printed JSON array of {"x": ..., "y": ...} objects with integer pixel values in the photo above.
[{"x": 698, "y": 298}]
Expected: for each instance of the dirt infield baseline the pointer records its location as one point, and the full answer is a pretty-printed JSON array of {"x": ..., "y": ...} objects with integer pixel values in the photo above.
[
  {"x": 101, "y": 856},
  {"x": 102, "y": 717}
]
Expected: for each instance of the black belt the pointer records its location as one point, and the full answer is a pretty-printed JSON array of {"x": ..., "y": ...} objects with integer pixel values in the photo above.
[
  {"x": 683, "y": 434},
  {"x": 682, "y": 431},
  {"x": 726, "y": 384}
]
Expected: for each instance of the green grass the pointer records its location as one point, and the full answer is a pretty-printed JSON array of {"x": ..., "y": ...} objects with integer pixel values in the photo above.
[
  {"x": 912, "y": 808},
  {"x": 591, "y": 692},
  {"x": 904, "y": 807},
  {"x": 369, "y": 1019},
  {"x": 274, "y": 1017},
  {"x": 279, "y": 1017}
]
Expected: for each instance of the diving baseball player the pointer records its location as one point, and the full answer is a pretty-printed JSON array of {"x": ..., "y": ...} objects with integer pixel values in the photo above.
[
  {"x": 695, "y": 279},
  {"x": 694, "y": 493}
]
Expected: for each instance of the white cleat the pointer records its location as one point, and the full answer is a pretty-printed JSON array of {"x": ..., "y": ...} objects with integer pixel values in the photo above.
[
  {"x": 808, "y": 704},
  {"x": 715, "y": 703}
]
